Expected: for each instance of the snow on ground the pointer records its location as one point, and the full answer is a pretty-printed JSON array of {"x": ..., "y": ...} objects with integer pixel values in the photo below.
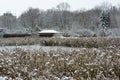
[
  {"x": 95, "y": 56},
  {"x": 37, "y": 47},
  {"x": 3, "y": 78}
]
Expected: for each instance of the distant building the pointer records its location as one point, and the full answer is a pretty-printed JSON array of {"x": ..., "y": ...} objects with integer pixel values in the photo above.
[{"x": 49, "y": 33}]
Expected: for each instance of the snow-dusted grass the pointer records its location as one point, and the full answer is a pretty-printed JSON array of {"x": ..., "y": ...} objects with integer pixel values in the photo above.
[
  {"x": 85, "y": 64},
  {"x": 97, "y": 59},
  {"x": 88, "y": 42}
]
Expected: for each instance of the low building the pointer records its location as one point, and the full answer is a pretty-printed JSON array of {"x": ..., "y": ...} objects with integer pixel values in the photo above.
[{"x": 49, "y": 33}]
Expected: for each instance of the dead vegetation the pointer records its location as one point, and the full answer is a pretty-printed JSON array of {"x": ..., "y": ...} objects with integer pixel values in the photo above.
[
  {"x": 97, "y": 59},
  {"x": 88, "y": 63},
  {"x": 88, "y": 42}
]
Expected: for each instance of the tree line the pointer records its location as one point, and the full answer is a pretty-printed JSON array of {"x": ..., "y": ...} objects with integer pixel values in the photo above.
[{"x": 62, "y": 18}]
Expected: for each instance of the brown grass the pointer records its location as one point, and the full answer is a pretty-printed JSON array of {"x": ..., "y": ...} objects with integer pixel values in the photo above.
[
  {"x": 69, "y": 42},
  {"x": 98, "y": 64},
  {"x": 100, "y": 59}
]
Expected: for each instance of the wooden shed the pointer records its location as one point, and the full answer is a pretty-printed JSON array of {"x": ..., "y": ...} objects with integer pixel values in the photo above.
[{"x": 49, "y": 33}]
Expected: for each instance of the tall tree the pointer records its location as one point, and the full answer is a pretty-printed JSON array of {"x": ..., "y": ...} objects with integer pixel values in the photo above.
[
  {"x": 64, "y": 14},
  {"x": 8, "y": 20},
  {"x": 63, "y": 6},
  {"x": 105, "y": 19},
  {"x": 104, "y": 23},
  {"x": 114, "y": 16},
  {"x": 30, "y": 18}
]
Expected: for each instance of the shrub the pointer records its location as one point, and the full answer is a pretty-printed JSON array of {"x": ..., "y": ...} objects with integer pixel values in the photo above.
[{"x": 86, "y": 33}]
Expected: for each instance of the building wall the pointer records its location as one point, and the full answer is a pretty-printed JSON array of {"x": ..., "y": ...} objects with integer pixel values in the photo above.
[
  {"x": 46, "y": 34},
  {"x": 49, "y": 34}
]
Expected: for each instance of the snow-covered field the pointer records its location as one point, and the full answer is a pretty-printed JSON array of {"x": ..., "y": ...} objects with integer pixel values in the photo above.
[
  {"x": 59, "y": 63},
  {"x": 50, "y": 59},
  {"x": 3, "y": 78},
  {"x": 37, "y": 47}
]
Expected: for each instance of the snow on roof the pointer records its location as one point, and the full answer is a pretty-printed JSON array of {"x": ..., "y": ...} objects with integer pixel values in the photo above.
[{"x": 49, "y": 31}]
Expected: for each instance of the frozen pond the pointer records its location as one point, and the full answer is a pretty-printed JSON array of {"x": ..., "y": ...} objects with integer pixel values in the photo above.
[{"x": 37, "y": 47}]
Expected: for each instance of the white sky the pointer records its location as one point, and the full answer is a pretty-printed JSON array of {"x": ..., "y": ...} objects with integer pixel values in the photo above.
[{"x": 18, "y": 6}]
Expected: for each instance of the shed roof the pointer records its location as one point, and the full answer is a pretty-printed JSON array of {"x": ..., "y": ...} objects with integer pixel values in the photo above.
[{"x": 49, "y": 31}]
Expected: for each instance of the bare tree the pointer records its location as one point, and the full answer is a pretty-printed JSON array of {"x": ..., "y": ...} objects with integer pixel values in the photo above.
[
  {"x": 8, "y": 20},
  {"x": 64, "y": 15},
  {"x": 30, "y": 18}
]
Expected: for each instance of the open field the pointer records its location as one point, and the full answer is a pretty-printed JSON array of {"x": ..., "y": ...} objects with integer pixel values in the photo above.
[
  {"x": 86, "y": 64},
  {"x": 96, "y": 59},
  {"x": 90, "y": 42}
]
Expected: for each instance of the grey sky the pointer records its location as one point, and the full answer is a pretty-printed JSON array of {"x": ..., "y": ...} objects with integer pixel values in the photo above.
[{"x": 18, "y": 6}]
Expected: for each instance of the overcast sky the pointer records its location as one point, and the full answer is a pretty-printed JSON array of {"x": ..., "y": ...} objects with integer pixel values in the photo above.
[{"x": 18, "y": 6}]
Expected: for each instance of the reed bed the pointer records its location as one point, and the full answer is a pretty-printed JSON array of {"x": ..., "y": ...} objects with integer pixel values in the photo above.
[
  {"x": 85, "y": 64},
  {"x": 87, "y": 42}
]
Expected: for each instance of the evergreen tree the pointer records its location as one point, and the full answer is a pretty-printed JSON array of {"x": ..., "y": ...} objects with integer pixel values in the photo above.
[
  {"x": 104, "y": 23},
  {"x": 105, "y": 20}
]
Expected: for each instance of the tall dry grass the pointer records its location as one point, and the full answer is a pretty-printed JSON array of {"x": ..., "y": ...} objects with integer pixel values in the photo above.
[
  {"x": 69, "y": 42},
  {"x": 86, "y": 64}
]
